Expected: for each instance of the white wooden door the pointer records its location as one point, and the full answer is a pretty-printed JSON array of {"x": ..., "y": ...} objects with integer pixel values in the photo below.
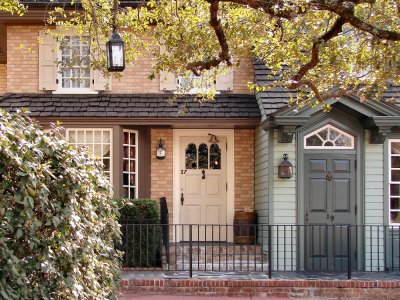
[{"x": 203, "y": 188}]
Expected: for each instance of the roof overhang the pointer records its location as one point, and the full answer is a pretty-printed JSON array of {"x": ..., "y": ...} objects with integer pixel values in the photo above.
[{"x": 377, "y": 116}]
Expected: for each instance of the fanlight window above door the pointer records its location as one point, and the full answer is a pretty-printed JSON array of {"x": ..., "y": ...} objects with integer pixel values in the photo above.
[
  {"x": 328, "y": 137},
  {"x": 203, "y": 158}
]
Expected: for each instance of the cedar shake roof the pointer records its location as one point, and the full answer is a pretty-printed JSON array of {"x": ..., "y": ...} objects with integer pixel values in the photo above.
[
  {"x": 131, "y": 106},
  {"x": 275, "y": 98}
]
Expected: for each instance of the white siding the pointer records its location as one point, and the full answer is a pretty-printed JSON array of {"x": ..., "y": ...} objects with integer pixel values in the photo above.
[{"x": 374, "y": 204}]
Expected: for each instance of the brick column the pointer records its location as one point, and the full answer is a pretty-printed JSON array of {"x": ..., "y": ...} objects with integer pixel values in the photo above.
[
  {"x": 162, "y": 169},
  {"x": 244, "y": 169}
]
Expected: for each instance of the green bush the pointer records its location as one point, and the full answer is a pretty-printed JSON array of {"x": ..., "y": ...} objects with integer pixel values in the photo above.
[
  {"x": 58, "y": 222},
  {"x": 141, "y": 233}
]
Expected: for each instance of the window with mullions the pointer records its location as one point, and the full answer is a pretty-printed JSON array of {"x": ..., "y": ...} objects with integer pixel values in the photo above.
[
  {"x": 328, "y": 137},
  {"x": 394, "y": 182},
  {"x": 74, "y": 69},
  {"x": 203, "y": 158},
  {"x": 130, "y": 167},
  {"x": 97, "y": 141}
]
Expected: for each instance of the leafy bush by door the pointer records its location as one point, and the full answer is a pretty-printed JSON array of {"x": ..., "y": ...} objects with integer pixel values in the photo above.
[
  {"x": 141, "y": 233},
  {"x": 58, "y": 221}
]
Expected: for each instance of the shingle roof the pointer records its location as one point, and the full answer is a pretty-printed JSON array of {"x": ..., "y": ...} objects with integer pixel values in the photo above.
[
  {"x": 131, "y": 106},
  {"x": 275, "y": 98}
]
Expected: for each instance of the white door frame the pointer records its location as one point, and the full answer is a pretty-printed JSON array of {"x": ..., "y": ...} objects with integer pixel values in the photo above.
[{"x": 230, "y": 168}]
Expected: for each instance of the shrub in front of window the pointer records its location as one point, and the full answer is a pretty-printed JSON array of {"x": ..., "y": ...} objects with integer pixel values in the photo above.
[
  {"x": 141, "y": 233},
  {"x": 58, "y": 221}
]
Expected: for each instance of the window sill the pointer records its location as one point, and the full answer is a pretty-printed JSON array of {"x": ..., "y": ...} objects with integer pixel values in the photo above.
[{"x": 75, "y": 92}]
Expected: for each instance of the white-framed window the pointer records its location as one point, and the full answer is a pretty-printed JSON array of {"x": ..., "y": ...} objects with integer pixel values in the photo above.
[
  {"x": 130, "y": 164},
  {"x": 328, "y": 137},
  {"x": 74, "y": 73},
  {"x": 192, "y": 84},
  {"x": 394, "y": 182},
  {"x": 98, "y": 141}
]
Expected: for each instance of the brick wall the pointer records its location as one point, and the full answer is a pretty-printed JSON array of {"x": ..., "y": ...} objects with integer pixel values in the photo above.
[
  {"x": 244, "y": 169},
  {"x": 297, "y": 288},
  {"x": 3, "y": 78},
  {"x": 162, "y": 169},
  {"x": 22, "y": 59},
  {"x": 242, "y": 75}
]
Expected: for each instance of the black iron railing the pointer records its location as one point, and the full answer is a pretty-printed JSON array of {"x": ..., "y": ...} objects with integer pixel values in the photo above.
[{"x": 315, "y": 248}]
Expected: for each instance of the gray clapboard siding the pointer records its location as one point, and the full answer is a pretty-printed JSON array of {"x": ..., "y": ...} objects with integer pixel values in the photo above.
[
  {"x": 374, "y": 202},
  {"x": 284, "y": 190},
  {"x": 261, "y": 188}
]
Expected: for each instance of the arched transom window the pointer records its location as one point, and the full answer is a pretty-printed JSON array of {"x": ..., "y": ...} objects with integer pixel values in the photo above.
[{"x": 328, "y": 137}]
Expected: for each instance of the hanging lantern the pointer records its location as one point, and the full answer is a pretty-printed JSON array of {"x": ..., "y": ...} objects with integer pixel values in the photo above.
[
  {"x": 115, "y": 53},
  {"x": 285, "y": 168},
  {"x": 160, "y": 151}
]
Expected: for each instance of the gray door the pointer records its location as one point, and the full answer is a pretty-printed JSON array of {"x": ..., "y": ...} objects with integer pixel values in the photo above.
[{"x": 330, "y": 192}]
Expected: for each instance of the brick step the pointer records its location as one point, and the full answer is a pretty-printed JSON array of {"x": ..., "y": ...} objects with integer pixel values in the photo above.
[
  {"x": 215, "y": 249},
  {"x": 227, "y": 266},
  {"x": 260, "y": 258}
]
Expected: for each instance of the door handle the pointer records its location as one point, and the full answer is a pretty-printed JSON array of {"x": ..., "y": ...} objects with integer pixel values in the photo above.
[
  {"x": 204, "y": 174},
  {"x": 306, "y": 217},
  {"x": 329, "y": 176},
  {"x": 182, "y": 199}
]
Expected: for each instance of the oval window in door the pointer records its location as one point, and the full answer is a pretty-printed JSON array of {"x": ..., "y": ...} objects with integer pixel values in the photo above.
[
  {"x": 215, "y": 157},
  {"x": 203, "y": 156},
  {"x": 191, "y": 157}
]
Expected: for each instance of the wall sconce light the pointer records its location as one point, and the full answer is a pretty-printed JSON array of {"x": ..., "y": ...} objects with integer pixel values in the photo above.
[
  {"x": 285, "y": 168},
  {"x": 213, "y": 139},
  {"x": 160, "y": 151}
]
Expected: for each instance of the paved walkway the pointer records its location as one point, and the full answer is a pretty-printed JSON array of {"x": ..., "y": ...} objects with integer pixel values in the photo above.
[{"x": 169, "y": 297}]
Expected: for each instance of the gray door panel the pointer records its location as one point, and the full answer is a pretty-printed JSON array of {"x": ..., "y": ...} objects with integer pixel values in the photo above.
[{"x": 330, "y": 196}]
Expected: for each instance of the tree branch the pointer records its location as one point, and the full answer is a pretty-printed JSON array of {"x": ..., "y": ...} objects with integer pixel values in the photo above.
[
  {"x": 331, "y": 33},
  {"x": 215, "y": 22}
]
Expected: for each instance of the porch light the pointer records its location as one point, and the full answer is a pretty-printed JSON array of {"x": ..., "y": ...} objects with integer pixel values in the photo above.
[
  {"x": 285, "y": 168},
  {"x": 213, "y": 139},
  {"x": 115, "y": 53},
  {"x": 160, "y": 151}
]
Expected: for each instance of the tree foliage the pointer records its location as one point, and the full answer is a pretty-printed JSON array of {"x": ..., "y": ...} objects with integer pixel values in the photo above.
[
  {"x": 322, "y": 48},
  {"x": 58, "y": 222}
]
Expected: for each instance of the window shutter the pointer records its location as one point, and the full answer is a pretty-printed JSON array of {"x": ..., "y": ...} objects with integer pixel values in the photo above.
[
  {"x": 167, "y": 81},
  {"x": 47, "y": 62},
  {"x": 100, "y": 83},
  {"x": 224, "y": 81}
]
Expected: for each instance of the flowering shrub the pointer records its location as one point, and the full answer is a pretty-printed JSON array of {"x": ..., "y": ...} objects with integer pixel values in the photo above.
[{"x": 58, "y": 221}]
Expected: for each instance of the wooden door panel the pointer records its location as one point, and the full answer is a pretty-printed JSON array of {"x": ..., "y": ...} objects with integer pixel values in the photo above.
[
  {"x": 213, "y": 185},
  {"x": 340, "y": 165},
  {"x": 317, "y": 195},
  {"x": 317, "y": 165},
  {"x": 341, "y": 195}
]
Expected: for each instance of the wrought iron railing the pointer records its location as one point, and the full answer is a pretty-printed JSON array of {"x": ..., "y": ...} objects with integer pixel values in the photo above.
[{"x": 315, "y": 248}]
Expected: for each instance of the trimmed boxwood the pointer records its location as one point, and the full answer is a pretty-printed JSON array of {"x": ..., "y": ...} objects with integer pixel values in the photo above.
[{"x": 141, "y": 233}]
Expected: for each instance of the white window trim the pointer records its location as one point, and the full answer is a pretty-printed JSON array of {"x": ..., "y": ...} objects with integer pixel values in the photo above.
[
  {"x": 136, "y": 161},
  {"x": 85, "y": 129},
  {"x": 329, "y": 147},
  {"x": 390, "y": 178},
  {"x": 60, "y": 89}
]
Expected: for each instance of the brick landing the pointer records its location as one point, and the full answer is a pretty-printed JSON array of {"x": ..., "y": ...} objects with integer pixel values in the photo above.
[{"x": 376, "y": 286}]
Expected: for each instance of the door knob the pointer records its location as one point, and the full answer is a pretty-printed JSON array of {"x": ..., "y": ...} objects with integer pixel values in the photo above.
[
  {"x": 204, "y": 174},
  {"x": 329, "y": 176},
  {"x": 182, "y": 199}
]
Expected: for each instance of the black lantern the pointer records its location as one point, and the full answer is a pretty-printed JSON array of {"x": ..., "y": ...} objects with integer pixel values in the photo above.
[
  {"x": 285, "y": 168},
  {"x": 160, "y": 151},
  {"x": 115, "y": 53}
]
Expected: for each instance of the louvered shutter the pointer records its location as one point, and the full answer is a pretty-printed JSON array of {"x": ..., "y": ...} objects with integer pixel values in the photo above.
[
  {"x": 167, "y": 79},
  {"x": 224, "y": 81},
  {"x": 47, "y": 62},
  {"x": 100, "y": 83}
]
